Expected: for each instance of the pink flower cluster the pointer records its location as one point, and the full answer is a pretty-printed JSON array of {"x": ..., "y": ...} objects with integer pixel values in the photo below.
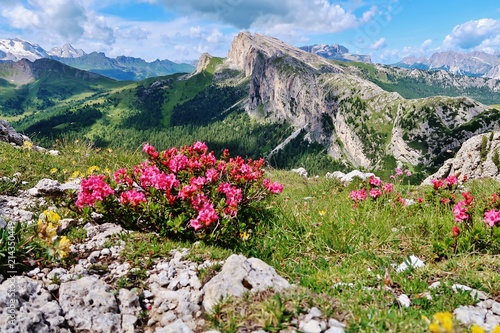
[
  {"x": 358, "y": 195},
  {"x": 461, "y": 209},
  {"x": 492, "y": 217},
  {"x": 93, "y": 189},
  {"x": 450, "y": 181},
  {"x": 206, "y": 212},
  {"x": 376, "y": 189},
  {"x": 460, "y": 212},
  {"x": 132, "y": 197},
  {"x": 190, "y": 180}
]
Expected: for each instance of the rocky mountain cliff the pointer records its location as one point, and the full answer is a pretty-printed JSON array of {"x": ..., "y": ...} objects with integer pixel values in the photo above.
[
  {"x": 475, "y": 63},
  {"x": 355, "y": 119},
  {"x": 335, "y": 51}
]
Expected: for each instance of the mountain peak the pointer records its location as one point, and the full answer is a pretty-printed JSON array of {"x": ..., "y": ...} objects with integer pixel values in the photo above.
[
  {"x": 66, "y": 51},
  {"x": 335, "y": 51},
  {"x": 246, "y": 47},
  {"x": 16, "y": 49}
]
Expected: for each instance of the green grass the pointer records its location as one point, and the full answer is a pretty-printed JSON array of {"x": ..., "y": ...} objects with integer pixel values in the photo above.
[{"x": 317, "y": 239}]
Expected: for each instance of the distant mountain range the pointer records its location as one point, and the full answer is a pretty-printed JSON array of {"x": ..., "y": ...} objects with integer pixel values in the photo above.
[
  {"x": 475, "y": 63},
  {"x": 119, "y": 68},
  {"x": 336, "y": 52}
]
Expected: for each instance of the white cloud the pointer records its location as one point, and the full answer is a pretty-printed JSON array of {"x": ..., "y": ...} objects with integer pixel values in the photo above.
[
  {"x": 57, "y": 20},
  {"x": 379, "y": 44},
  {"x": 274, "y": 17},
  {"x": 473, "y": 34},
  {"x": 133, "y": 33},
  {"x": 21, "y": 17},
  {"x": 425, "y": 45},
  {"x": 97, "y": 29},
  {"x": 391, "y": 56}
]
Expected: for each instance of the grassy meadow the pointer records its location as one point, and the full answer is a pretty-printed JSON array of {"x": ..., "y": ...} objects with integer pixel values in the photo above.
[{"x": 342, "y": 254}]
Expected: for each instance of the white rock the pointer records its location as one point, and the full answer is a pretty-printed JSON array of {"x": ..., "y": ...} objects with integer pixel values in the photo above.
[
  {"x": 312, "y": 326},
  {"x": 404, "y": 301},
  {"x": 412, "y": 261},
  {"x": 335, "y": 329},
  {"x": 469, "y": 315}
]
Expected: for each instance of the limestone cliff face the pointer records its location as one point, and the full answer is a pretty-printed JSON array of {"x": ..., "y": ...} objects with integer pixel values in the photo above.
[
  {"x": 355, "y": 119},
  {"x": 477, "y": 158}
]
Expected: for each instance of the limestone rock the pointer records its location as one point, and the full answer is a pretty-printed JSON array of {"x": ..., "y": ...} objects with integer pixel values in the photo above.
[
  {"x": 10, "y": 135},
  {"x": 472, "y": 160},
  {"x": 89, "y": 306},
  {"x": 33, "y": 307},
  {"x": 240, "y": 275}
]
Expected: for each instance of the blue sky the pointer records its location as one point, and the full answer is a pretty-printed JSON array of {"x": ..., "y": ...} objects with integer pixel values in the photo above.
[{"x": 183, "y": 29}]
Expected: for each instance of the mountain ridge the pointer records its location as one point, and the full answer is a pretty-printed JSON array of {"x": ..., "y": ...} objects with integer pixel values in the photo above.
[
  {"x": 335, "y": 51},
  {"x": 119, "y": 68},
  {"x": 476, "y": 63}
]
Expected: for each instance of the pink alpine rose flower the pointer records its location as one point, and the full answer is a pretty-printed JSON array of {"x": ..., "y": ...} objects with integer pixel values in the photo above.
[
  {"x": 460, "y": 211},
  {"x": 274, "y": 187},
  {"x": 451, "y": 180},
  {"x": 375, "y": 181},
  {"x": 358, "y": 195},
  {"x": 151, "y": 151},
  {"x": 388, "y": 188},
  {"x": 121, "y": 177},
  {"x": 93, "y": 189},
  {"x": 132, "y": 197},
  {"x": 200, "y": 147},
  {"x": 437, "y": 183},
  {"x": 492, "y": 217},
  {"x": 375, "y": 193}
]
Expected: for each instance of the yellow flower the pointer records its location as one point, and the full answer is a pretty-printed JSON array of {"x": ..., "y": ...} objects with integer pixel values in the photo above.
[
  {"x": 496, "y": 329},
  {"x": 436, "y": 328},
  {"x": 27, "y": 145},
  {"x": 76, "y": 174},
  {"x": 443, "y": 323},
  {"x": 92, "y": 169},
  {"x": 476, "y": 329},
  {"x": 51, "y": 231},
  {"x": 244, "y": 235},
  {"x": 50, "y": 216},
  {"x": 107, "y": 171},
  {"x": 322, "y": 212},
  {"x": 109, "y": 150},
  {"x": 64, "y": 246},
  {"x": 53, "y": 171}
]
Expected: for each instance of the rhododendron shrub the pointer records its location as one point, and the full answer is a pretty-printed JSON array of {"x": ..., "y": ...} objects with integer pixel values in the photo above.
[
  {"x": 476, "y": 220},
  {"x": 184, "y": 191}
]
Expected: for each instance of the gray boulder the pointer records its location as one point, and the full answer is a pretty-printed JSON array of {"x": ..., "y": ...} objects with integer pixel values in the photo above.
[
  {"x": 9, "y": 134},
  {"x": 32, "y": 307},
  {"x": 240, "y": 275},
  {"x": 89, "y": 306}
]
